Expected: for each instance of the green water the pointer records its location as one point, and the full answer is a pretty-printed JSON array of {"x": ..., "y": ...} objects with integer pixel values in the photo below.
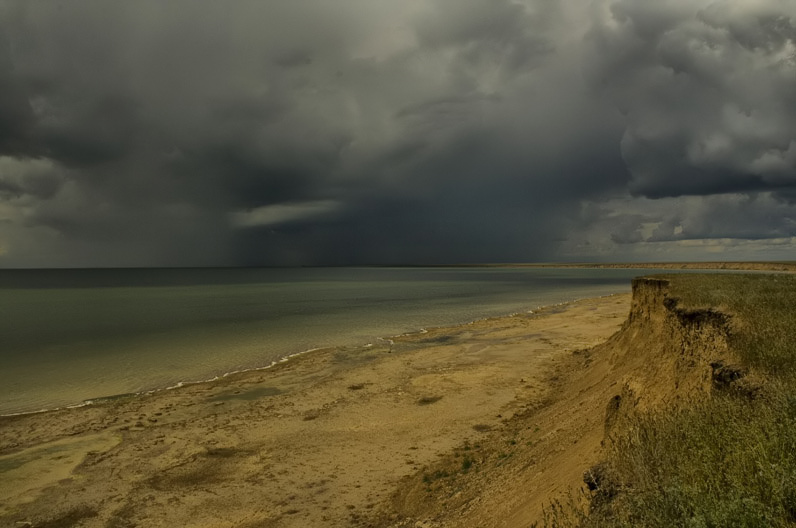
[{"x": 71, "y": 335}]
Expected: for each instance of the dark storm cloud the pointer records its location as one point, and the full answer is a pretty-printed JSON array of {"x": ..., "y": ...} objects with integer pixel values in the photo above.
[
  {"x": 735, "y": 226},
  {"x": 16, "y": 118},
  {"x": 202, "y": 132},
  {"x": 756, "y": 217},
  {"x": 707, "y": 89}
]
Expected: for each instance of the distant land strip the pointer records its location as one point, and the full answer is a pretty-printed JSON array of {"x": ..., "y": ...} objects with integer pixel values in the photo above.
[{"x": 740, "y": 266}]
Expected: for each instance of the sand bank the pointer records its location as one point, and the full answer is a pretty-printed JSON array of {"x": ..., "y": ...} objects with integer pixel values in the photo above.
[{"x": 336, "y": 437}]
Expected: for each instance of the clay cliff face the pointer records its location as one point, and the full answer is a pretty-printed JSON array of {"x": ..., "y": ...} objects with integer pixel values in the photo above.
[{"x": 665, "y": 354}]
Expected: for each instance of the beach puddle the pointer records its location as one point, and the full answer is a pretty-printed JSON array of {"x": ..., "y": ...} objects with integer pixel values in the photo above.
[
  {"x": 360, "y": 355},
  {"x": 24, "y": 474},
  {"x": 249, "y": 395}
]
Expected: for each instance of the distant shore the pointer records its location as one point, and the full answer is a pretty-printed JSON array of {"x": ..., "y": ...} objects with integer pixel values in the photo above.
[{"x": 717, "y": 265}]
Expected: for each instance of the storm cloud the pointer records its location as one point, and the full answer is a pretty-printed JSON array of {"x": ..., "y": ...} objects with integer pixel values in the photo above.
[
  {"x": 707, "y": 90},
  {"x": 425, "y": 131}
]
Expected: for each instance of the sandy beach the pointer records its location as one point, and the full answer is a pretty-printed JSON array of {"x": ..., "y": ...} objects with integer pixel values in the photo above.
[{"x": 335, "y": 437}]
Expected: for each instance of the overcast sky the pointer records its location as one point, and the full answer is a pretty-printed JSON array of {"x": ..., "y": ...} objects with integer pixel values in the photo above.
[{"x": 336, "y": 132}]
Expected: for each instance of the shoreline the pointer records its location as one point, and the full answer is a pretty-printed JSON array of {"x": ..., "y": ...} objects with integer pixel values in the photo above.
[
  {"x": 388, "y": 339},
  {"x": 322, "y": 439}
]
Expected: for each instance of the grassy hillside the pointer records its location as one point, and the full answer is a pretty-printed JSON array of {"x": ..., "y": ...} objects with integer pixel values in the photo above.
[{"x": 728, "y": 460}]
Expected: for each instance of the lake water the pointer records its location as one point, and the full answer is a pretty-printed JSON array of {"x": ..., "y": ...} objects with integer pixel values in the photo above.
[{"x": 71, "y": 335}]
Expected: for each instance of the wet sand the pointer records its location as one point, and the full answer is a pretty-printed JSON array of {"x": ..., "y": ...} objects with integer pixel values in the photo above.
[{"x": 324, "y": 439}]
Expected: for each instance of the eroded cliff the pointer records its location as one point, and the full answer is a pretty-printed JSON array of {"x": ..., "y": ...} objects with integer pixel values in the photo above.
[
  {"x": 667, "y": 354},
  {"x": 664, "y": 356}
]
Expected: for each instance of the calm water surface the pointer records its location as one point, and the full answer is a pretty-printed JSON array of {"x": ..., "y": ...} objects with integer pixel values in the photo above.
[{"x": 71, "y": 335}]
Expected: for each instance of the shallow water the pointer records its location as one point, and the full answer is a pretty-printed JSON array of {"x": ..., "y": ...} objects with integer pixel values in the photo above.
[{"x": 71, "y": 335}]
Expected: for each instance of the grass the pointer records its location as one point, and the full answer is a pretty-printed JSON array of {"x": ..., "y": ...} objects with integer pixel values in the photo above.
[
  {"x": 728, "y": 461},
  {"x": 723, "y": 463},
  {"x": 764, "y": 310}
]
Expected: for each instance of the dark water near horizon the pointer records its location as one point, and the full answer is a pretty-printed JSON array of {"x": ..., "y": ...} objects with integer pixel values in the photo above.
[{"x": 71, "y": 335}]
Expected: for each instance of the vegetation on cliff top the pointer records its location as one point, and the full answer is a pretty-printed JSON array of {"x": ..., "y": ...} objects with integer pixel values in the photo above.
[
  {"x": 763, "y": 307},
  {"x": 726, "y": 461}
]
